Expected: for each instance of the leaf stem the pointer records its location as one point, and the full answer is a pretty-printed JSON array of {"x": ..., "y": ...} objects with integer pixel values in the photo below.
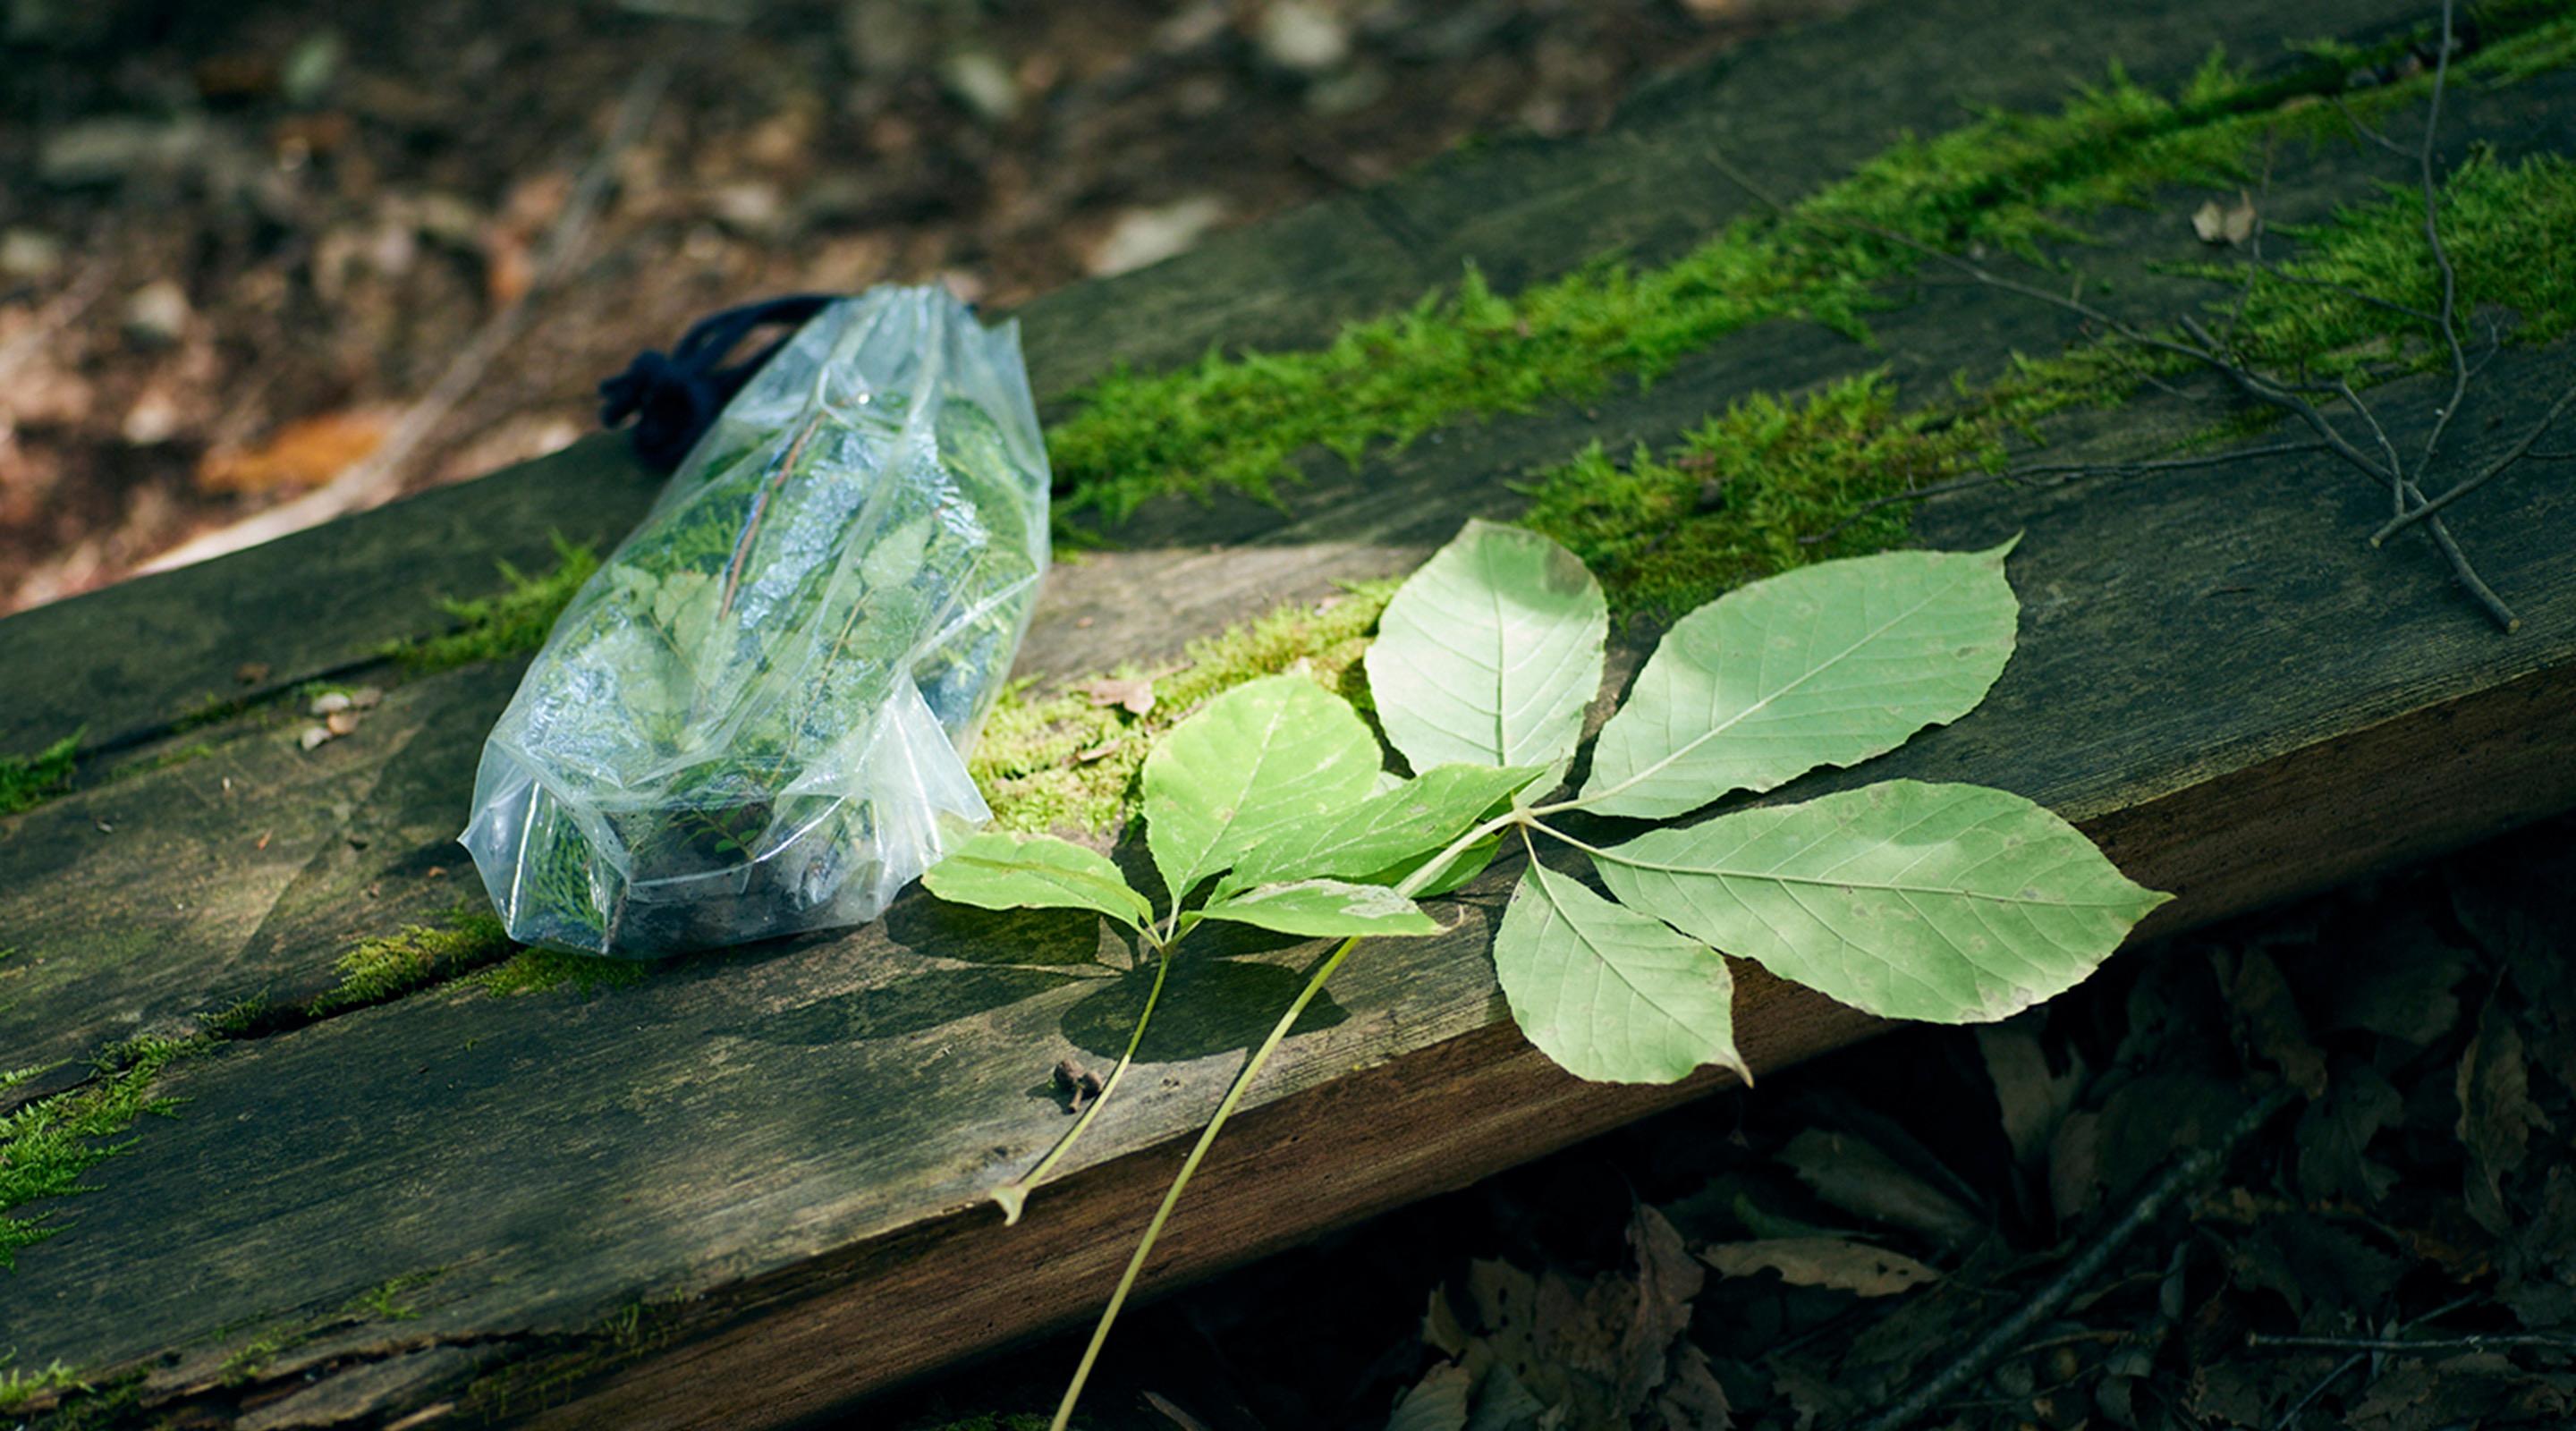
[
  {"x": 1014, "y": 1195},
  {"x": 1190, "y": 1165},
  {"x": 1233, "y": 1098}
]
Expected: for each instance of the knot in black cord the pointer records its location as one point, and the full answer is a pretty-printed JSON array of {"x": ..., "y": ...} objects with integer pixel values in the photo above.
[{"x": 675, "y": 398}]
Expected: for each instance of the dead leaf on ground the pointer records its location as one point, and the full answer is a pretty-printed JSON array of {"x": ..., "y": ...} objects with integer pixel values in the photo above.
[
  {"x": 302, "y": 454},
  {"x": 1852, "y": 1174},
  {"x": 2497, "y": 1116},
  {"x": 2335, "y": 1131},
  {"x": 2033, "y": 1099},
  {"x": 2231, "y": 224},
  {"x": 2267, "y": 1019},
  {"x": 1135, "y": 694},
  {"x": 1834, "y": 1262}
]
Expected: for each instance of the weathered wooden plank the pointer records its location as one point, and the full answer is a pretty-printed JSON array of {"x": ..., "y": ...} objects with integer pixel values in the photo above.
[
  {"x": 774, "y": 1145},
  {"x": 142, "y": 654}
]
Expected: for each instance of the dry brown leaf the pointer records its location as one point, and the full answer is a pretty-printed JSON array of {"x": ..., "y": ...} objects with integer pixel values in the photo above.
[
  {"x": 2230, "y": 224},
  {"x": 2267, "y": 1019},
  {"x": 1692, "y": 1399},
  {"x": 1134, "y": 695},
  {"x": 2033, "y": 1099},
  {"x": 2335, "y": 1130},
  {"x": 2496, "y": 1115},
  {"x": 1854, "y": 1175},
  {"x": 1667, "y": 1278},
  {"x": 1822, "y": 1262},
  {"x": 302, "y": 454}
]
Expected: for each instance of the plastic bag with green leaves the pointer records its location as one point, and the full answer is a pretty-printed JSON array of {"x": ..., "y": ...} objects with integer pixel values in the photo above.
[{"x": 753, "y": 720}]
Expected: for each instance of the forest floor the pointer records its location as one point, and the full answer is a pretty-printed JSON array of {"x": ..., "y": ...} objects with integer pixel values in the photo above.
[{"x": 243, "y": 248}]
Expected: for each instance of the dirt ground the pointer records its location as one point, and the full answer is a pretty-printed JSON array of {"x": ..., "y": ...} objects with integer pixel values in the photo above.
[{"x": 241, "y": 244}]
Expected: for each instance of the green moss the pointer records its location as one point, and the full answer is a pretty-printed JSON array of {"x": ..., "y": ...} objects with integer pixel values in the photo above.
[
  {"x": 531, "y": 971},
  {"x": 414, "y": 957},
  {"x": 47, "y": 1145},
  {"x": 27, "y": 781},
  {"x": 18, "y": 1388},
  {"x": 2006, "y": 181},
  {"x": 1057, "y": 761},
  {"x": 1769, "y": 484},
  {"x": 513, "y": 623},
  {"x": 388, "y": 1301}
]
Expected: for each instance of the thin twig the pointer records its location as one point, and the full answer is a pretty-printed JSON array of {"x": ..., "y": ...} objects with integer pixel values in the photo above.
[
  {"x": 2062, "y": 471},
  {"x": 2364, "y": 130},
  {"x": 2441, "y": 260},
  {"x": 2398, "y": 1344},
  {"x": 378, "y": 477},
  {"x": 2177, "y": 1180},
  {"x": 2465, "y": 486}
]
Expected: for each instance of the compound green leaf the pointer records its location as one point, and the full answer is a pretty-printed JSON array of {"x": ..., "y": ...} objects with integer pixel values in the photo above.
[
  {"x": 1608, "y": 993},
  {"x": 1489, "y": 653},
  {"x": 1389, "y": 831},
  {"x": 995, "y": 870},
  {"x": 1260, "y": 757},
  {"x": 1952, "y": 903},
  {"x": 1324, "y": 908},
  {"x": 1825, "y": 665}
]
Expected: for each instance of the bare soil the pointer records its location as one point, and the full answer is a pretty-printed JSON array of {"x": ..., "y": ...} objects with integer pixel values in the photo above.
[{"x": 238, "y": 242}]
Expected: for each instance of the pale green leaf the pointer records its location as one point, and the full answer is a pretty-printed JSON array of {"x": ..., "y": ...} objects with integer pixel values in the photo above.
[
  {"x": 995, "y": 870},
  {"x": 1259, "y": 757},
  {"x": 1489, "y": 653},
  {"x": 1825, "y": 665},
  {"x": 1608, "y": 993},
  {"x": 1391, "y": 830},
  {"x": 1953, "y": 903},
  {"x": 1321, "y": 908}
]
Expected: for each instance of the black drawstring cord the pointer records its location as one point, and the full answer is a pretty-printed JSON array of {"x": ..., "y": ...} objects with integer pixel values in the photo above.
[{"x": 674, "y": 399}]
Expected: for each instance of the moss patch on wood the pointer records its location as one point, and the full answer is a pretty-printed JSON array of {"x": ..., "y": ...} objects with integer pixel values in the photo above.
[
  {"x": 513, "y": 622},
  {"x": 1062, "y": 761},
  {"x": 2005, "y": 181},
  {"x": 27, "y": 781},
  {"x": 412, "y": 958},
  {"x": 47, "y": 1145}
]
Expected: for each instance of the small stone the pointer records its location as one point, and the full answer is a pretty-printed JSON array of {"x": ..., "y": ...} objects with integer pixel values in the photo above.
[
  {"x": 251, "y": 673},
  {"x": 118, "y": 147},
  {"x": 330, "y": 703},
  {"x": 153, "y": 420},
  {"x": 314, "y": 736},
  {"x": 752, "y": 207},
  {"x": 29, "y": 254},
  {"x": 342, "y": 723},
  {"x": 1148, "y": 236},
  {"x": 983, "y": 84},
  {"x": 366, "y": 698},
  {"x": 1303, "y": 36},
  {"x": 157, "y": 313}
]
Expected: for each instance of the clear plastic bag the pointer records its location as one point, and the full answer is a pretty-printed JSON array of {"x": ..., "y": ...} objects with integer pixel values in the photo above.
[{"x": 753, "y": 720}]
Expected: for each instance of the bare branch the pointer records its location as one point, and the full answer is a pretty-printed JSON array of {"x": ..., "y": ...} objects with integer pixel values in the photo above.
[{"x": 2466, "y": 485}]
